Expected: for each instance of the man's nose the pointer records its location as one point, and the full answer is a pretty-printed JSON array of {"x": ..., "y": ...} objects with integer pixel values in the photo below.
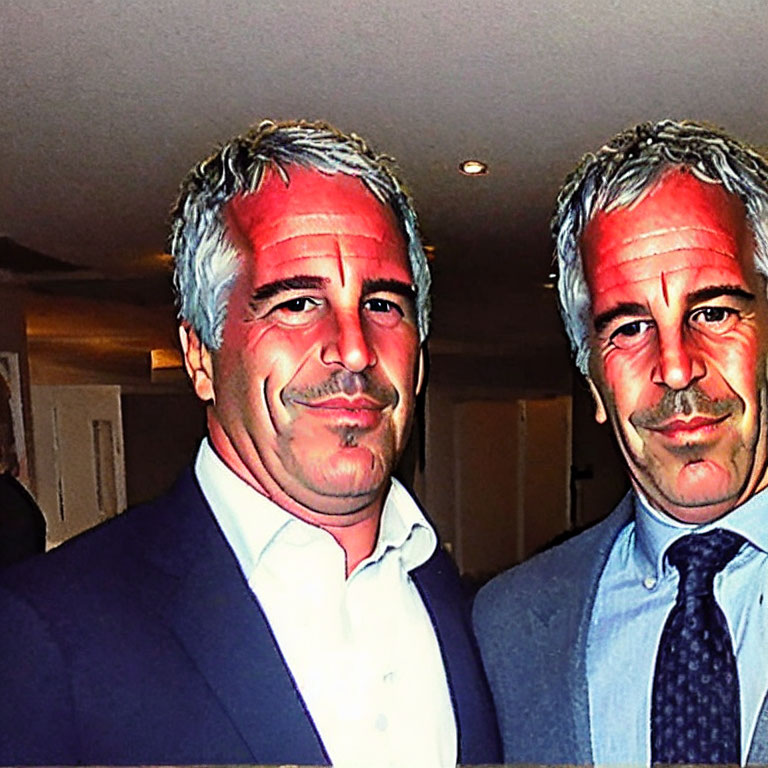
[
  {"x": 347, "y": 343},
  {"x": 679, "y": 360}
]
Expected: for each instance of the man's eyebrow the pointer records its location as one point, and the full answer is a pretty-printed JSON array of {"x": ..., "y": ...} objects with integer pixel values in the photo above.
[
  {"x": 620, "y": 310},
  {"x": 297, "y": 283},
  {"x": 703, "y": 294},
  {"x": 715, "y": 291},
  {"x": 389, "y": 286}
]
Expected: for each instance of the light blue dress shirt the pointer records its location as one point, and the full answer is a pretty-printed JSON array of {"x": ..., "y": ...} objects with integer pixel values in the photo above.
[{"x": 636, "y": 593}]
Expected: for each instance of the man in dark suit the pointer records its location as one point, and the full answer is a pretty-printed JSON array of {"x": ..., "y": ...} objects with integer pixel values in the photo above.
[
  {"x": 643, "y": 639},
  {"x": 287, "y": 601},
  {"x": 22, "y": 524}
]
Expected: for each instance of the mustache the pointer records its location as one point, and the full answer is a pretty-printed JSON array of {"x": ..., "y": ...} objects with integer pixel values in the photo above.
[
  {"x": 344, "y": 383},
  {"x": 684, "y": 402}
]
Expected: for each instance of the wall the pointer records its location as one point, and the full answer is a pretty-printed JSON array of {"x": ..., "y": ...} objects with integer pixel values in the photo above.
[
  {"x": 79, "y": 447},
  {"x": 476, "y": 453},
  {"x": 599, "y": 473},
  {"x": 13, "y": 338},
  {"x": 161, "y": 432}
]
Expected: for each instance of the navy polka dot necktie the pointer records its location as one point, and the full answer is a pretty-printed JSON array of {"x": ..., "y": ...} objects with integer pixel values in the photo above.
[{"x": 695, "y": 710}]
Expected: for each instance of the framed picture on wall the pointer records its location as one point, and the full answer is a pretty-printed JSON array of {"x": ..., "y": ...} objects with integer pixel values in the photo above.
[{"x": 13, "y": 444}]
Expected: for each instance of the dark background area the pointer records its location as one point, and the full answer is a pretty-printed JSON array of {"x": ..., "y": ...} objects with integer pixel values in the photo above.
[{"x": 107, "y": 103}]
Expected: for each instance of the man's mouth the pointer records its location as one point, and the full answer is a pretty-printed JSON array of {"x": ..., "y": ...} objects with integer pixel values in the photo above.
[
  {"x": 359, "y": 403},
  {"x": 696, "y": 427},
  {"x": 360, "y": 411}
]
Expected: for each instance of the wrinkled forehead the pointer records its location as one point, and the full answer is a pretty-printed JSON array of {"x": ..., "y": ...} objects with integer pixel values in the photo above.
[
  {"x": 678, "y": 216},
  {"x": 311, "y": 204}
]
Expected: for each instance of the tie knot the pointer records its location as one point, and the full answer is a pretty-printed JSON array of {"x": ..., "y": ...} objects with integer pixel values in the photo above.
[{"x": 699, "y": 556}]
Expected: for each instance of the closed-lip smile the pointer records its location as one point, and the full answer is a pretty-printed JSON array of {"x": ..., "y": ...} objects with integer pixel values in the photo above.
[
  {"x": 686, "y": 426},
  {"x": 343, "y": 404},
  {"x": 357, "y": 412}
]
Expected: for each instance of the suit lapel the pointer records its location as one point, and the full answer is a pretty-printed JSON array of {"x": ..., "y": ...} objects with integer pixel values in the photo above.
[
  {"x": 223, "y": 630},
  {"x": 758, "y": 750},
  {"x": 567, "y": 632},
  {"x": 441, "y": 591},
  {"x": 584, "y": 591}
]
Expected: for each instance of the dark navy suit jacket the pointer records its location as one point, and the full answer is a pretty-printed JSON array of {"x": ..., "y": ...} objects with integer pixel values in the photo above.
[{"x": 140, "y": 642}]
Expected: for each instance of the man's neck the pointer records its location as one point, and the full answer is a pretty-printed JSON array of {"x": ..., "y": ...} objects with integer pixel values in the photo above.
[{"x": 356, "y": 532}]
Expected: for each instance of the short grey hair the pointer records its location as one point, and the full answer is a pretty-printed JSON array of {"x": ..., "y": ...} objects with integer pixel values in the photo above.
[
  {"x": 205, "y": 258},
  {"x": 621, "y": 172}
]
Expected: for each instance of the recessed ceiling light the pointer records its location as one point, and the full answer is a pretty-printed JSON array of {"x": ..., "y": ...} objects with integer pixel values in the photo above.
[{"x": 473, "y": 168}]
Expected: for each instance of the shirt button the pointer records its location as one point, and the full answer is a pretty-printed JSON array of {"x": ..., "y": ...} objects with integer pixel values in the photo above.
[
  {"x": 381, "y": 722},
  {"x": 649, "y": 582}
]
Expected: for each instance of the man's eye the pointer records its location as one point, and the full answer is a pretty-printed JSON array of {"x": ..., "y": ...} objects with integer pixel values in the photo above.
[
  {"x": 303, "y": 304},
  {"x": 631, "y": 334},
  {"x": 384, "y": 312},
  {"x": 296, "y": 311},
  {"x": 383, "y": 305},
  {"x": 716, "y": 319}
]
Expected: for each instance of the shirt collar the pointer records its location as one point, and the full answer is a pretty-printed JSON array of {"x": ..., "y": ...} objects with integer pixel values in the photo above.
[
  {"x": 656, "y": 530},
  {"x": 248, "y": 519},
  {"x": 404, "y": 529},
  {"x": 251, "y": 522}
]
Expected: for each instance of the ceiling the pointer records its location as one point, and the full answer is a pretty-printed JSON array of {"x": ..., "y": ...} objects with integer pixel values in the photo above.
[{"x": 107, "y": 103}]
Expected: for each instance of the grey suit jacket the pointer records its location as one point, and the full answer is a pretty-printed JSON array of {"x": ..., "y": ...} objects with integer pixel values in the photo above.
[{"x": 532, "y": 624}]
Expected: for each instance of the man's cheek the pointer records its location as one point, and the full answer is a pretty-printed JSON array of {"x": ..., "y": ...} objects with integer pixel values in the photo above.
[
  {"x": 398, "y": 356},
  {"x": 626, "y": 383},
  {"x": 732, "y": 370}
]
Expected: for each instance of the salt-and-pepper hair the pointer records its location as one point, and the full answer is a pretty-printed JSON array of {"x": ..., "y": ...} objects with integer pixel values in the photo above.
[
  {"x": 621, "y": 173},
  {"x": 207, "y": 261}
]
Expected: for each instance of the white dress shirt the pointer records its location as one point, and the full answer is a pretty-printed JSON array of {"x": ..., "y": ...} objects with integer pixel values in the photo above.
[
  {"x": 636, "y": 592},
  {"x": 362, "y": 650}
]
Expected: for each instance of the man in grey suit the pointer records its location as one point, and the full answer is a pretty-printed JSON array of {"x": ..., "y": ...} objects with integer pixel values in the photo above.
[{"x": 643, "y": 639}]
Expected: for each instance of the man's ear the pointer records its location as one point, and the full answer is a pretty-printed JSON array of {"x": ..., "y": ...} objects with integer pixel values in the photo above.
[
  {"x": 601, "y": 415},
  {"x": 420, "y": 370},
  {"x": 197, "y": 361}
]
